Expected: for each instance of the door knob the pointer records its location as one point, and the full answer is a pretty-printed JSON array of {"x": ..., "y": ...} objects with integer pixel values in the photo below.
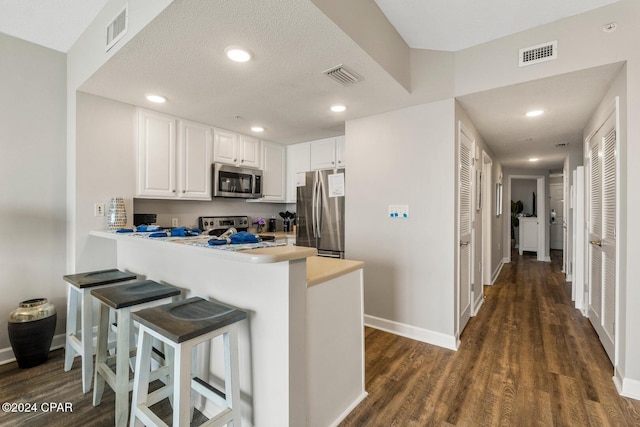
[{"x": 596, "y": 242}]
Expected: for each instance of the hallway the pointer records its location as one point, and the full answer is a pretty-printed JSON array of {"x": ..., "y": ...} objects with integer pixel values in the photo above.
[{"x": 528, "y": 358}]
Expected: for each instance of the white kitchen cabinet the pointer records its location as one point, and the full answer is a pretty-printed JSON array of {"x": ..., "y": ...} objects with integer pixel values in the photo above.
[
  {"x": 236, "y": 149},
  {"x": 156, "y": 174},
  {"x": 327, "y": 153},
  {"x": 273, "y": 172},
  {"x": 194, "y": 166},
  {"x": 249, "y": 155},
  {"x": 172, "y": 164},
  {"x": 528, "y": 234},
  {"x": 298, "y": 162}
]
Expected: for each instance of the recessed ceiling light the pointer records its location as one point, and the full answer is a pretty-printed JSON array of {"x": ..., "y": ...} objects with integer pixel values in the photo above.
[
  {"x": 238, "y": 54},
  {"x": 533, "y": 159},
  {"x": 257, "y": 128},
  {"x": 535, "y": 113},
  {"x": 158, "y": 99},
  {"x": 338, "y": 108}
]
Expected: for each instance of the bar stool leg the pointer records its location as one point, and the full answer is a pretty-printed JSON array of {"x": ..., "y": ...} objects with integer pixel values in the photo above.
[
  {"x": 141, "y": 379},
  {"x": 86, "y": 323},
  {"x": 72, "y": 327},
  {"x": 232, "y": 372},
  {"x": 182, "y": 385},
  {"x": 122, "y": 366},
  {"x": 101, "y": 353}
]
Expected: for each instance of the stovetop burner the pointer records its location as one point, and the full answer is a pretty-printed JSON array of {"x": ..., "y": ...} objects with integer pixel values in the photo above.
[{"x": 216, "y": 225}]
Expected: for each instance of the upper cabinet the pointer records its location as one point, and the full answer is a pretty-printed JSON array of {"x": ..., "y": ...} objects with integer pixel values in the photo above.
[
  {"x": 328, "y": 153},
  {"x": 173, "y": 158},
  {"x": 274, "y": 172},
  {"x": 156, "y": 174},
  {"x": 194, "y": 164},
  {"x": 298, "y": 162},
  {"x": 236, "y": 149}
]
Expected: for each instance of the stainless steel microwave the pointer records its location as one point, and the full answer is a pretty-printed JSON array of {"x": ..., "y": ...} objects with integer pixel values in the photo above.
[{"x": 233, "y": 181}]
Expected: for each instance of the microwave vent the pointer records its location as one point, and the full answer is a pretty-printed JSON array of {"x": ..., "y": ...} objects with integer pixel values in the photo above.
[
  {"x": 117, "y": 29},
  {"x": 343, "y": 75},
  {"x": 539, "y": 53}
]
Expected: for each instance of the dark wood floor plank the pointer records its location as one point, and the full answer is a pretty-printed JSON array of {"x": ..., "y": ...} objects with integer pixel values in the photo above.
[{"x": 527, "y": 359}]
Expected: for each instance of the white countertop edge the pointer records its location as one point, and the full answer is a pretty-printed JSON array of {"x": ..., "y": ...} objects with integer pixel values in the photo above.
[{"x": 255, "y": 256}]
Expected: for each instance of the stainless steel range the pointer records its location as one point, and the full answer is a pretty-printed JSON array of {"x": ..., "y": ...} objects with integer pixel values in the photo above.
[{"x": 216, "y": 225}]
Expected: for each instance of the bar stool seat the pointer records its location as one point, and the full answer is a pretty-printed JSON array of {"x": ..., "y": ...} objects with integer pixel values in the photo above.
[
  {"x": 183, "y": 325},
  {"x": 123, "y": 299},
  {"x": 79, "y": 301}
]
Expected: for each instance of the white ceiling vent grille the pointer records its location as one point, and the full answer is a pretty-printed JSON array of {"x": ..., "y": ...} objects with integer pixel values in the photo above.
[
  {"x": 343, "y": 75},
  {"x": 540, "y": 53},
  {"x": 116, "y": 29}
]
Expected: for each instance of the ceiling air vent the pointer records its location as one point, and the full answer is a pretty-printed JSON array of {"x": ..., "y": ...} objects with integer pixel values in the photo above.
[
  {"x": 540, "y": 53},
  {"x": 116, "y": 29},
  {"x": 343, "y": 75}
]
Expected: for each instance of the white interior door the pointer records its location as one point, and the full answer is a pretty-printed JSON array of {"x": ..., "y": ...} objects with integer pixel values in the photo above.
[
  {"x": 601, "y": 228},
  {"x": 465, "y": 226}
]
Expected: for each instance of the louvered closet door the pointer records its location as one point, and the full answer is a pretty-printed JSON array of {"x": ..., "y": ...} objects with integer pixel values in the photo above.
[
  {"x": 602, "y": 234},
  {"x": 465, "y": 203}
]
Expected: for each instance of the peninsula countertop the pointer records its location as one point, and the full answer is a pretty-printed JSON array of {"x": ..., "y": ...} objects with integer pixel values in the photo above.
[{"x": 259, "y": 255}]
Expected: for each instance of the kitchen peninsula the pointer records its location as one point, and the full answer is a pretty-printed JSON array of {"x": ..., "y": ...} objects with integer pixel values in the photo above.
[{"x": 302, "y": 349}]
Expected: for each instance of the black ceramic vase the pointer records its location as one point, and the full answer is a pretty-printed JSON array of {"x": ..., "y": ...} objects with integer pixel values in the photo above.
[{"x": 31, "y": 328}]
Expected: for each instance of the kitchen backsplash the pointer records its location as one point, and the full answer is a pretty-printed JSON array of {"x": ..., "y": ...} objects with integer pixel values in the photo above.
[{"x": 188, "y": 211}]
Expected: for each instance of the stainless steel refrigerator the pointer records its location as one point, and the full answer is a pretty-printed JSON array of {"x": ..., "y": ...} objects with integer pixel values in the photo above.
[{"x": 320, "y": 212}]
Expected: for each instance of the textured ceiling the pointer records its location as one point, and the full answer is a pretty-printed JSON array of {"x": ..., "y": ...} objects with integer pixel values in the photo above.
[
  {"x": 55, "y": 24},
  {"x": 181, "y": 55},
  {"x": 452, "y": 25},
  {"x": 568, "y": 101}
]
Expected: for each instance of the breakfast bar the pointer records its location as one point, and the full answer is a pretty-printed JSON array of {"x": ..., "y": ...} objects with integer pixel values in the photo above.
[{"x": 301, "y": 349}]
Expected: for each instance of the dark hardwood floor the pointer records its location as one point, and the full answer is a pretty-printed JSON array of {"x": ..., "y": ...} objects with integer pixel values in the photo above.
[{"x": 527, "y": 359}]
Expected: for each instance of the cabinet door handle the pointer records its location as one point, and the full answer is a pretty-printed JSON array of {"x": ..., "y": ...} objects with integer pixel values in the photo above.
[
  {"x": 596, "y": 242},
  {"x": 464, "y": 243}
]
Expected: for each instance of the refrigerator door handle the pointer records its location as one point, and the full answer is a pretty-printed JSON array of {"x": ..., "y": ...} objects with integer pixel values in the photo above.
[
  {"x": 314, "y": 207},
  {"x": 319, "y": 207}
]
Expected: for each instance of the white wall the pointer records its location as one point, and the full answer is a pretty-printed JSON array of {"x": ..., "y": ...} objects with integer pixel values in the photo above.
[
  {"x": 32, "y": 178},
  {"x": 404, "y": 157}
]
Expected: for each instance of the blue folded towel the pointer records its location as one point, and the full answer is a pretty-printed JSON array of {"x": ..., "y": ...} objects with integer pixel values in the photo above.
[
  {"x": 184, "y": 231},
  {"x": 144, "y": 228},
  {"x": 159, "y": 234},
  {"x": 125, "y": 230},
  {"x": 216, "y": 242},
  {"x": 243, "y": 237}
]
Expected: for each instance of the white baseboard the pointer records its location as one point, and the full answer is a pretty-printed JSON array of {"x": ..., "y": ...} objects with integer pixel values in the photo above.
[
  {"x": 348, "y": 410},
  {"x": 7, "y": 356},
  {"x": 496, "y": 273},
  {"x": 626, "y": 387},
  {"x": 413, "y": 332},
  {"x": 477, "y": 304}
]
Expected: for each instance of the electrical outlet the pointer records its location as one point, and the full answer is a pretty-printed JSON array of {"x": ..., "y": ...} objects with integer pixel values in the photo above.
[
  {"x": 98, "y": 209},
  {"x": 174, "y": 222}
]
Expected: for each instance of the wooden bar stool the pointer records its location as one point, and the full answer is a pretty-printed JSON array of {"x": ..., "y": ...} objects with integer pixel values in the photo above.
[
  {"x": 183, "y": 325},
  {"x": 123, "y": 299},
  {"x": 79, "y": 301}
]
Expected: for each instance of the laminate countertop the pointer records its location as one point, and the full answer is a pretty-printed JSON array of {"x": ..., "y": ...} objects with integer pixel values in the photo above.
[
  {"x": 259, "y": 255},
  {"x": 322, "y": 269}
]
